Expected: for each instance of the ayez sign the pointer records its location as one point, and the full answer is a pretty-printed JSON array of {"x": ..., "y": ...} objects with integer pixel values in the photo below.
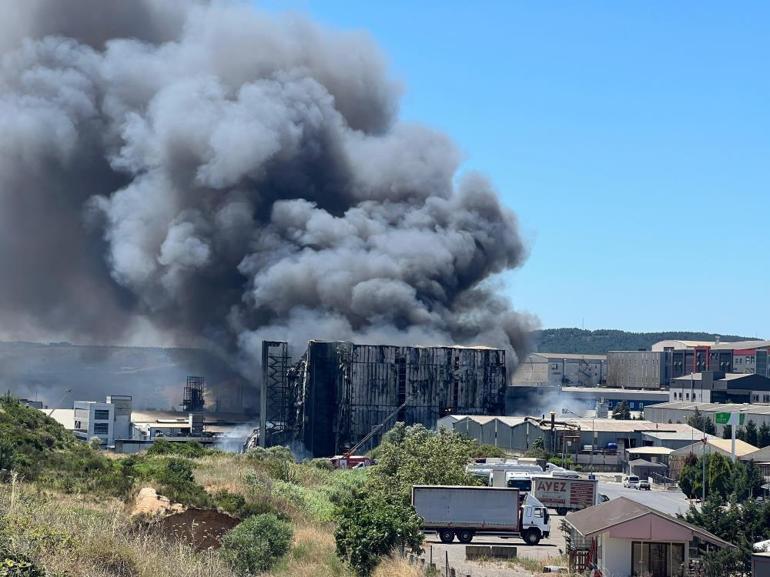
[{"x": 730, "y": 418}]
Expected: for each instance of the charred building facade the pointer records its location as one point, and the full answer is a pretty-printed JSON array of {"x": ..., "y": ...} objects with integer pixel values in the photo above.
[{"x": 336, "y": 393}]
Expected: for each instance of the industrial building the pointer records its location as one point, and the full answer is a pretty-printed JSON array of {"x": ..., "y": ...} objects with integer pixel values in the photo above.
[
  {"x": 600, "y": 444},
  {"x": 680, "y": 411},
  {"x": 561, "y": 369},
  {"x": 520, "y": 399},
  {"x": 337, "y": 393},
  {"x": 671, "y": 360},
  {"x": 718, "y": 387},
  {"x": 120, "y": 428}
]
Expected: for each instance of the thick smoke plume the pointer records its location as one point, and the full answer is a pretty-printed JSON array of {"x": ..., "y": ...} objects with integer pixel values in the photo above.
[{"x": 215, "y": 174}]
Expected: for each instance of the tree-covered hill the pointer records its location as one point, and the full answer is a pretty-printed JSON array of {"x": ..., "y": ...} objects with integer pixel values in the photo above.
[{"x": 600, "y": 341}]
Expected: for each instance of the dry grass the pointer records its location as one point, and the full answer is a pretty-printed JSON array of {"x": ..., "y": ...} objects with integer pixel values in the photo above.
[
  {"x": 535, "y": 565},
  {"x": 313, "y": 555},
  {"x": 397, "y": 567},
  {"x": 79, "y": 537},
  {"x": 223, "y": 472}
]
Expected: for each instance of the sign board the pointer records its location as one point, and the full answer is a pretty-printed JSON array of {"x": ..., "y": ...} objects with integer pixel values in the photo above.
[{"x": 730, "y": 418}]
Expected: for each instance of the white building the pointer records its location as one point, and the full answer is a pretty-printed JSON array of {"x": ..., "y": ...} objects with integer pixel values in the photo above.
[{"x": 94, "y": 419}]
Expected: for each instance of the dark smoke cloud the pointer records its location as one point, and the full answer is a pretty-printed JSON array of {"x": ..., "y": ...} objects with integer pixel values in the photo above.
[{"x": 229, "y": 176}]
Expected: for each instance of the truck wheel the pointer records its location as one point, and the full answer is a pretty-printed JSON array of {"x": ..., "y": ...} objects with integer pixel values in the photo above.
[
  {"x": 532, "y": 536},
  {"x": 465, "y": 536},
  {"x": 561, "y": 511},
  {"x": 446, "y": 535}
]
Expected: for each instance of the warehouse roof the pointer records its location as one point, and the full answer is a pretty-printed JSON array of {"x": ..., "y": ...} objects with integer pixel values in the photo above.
[
  {"x": 629, "y": 426},
  {"x": 759, "y": 456},
  {"x": 646, "y": 463},
  {"x": 749, "y": 409},
  {"x": 649, "y": 451},
  {"x": 742, "y": 448},
  {"x": 571, "y": 356},
  {"x": 695, "y": 377},
  {"x": 741, "y": 345},
  {"x": 605, "y": 516},
  {"x": 693, "y": 435}
]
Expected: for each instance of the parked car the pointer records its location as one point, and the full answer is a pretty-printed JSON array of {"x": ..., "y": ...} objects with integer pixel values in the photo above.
[
  {"x": 603, "y": 498},
  {"x": 644, "y": 484},
  {"x": 631, "y": 482}
]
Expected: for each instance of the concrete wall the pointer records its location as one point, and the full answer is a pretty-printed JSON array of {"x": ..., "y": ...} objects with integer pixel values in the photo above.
[{"x": 636, "y": 369}]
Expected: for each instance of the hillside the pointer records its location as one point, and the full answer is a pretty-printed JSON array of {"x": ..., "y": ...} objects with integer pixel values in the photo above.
[{"x": 603, "y": 340}]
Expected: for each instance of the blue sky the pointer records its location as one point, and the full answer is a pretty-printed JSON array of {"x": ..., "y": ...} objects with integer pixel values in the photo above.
[{"x": 631, "y": 138}]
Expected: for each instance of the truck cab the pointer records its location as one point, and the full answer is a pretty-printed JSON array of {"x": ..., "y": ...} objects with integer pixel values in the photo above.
[{"x": 535, "y": 520}]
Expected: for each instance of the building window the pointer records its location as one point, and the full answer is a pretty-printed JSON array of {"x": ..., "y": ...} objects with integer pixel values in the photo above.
[
  {"x": 101, "y": 428},
  {"x": 631, "y": 404},
  {"x": 101, "y": 415},
  {"x": 766, "y": 398},
  {"x": 687, "y": 396}
]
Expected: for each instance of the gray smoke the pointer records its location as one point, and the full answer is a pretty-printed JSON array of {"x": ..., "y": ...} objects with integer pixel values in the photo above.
[{"x": 219, "y": 175}]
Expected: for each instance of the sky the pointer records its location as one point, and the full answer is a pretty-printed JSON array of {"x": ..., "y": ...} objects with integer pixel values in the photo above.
[{"x": 632, "y": 140}]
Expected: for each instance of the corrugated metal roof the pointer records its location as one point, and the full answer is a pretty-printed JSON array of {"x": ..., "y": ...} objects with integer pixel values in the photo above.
[
  {"x": 649, "y": 451},
  {"x": 571, "y": 356},
  {"x": 747, "y": 408},
  {"x": 742, "y": 448}
]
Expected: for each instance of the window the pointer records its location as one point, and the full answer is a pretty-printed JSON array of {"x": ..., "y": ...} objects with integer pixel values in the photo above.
[
  {"x": 101, "y": 415},
  {"x": 101, "y": 428},
  {"x": 766, "y": 398},
  {"x": 631, "y": 405}
]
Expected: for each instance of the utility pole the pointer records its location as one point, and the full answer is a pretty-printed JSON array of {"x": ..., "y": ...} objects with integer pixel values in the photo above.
[{"x": 703, "y": 461}]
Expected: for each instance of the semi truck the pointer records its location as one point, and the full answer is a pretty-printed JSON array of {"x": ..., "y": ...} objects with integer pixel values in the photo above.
[
  {"x": 564, "y": 494},
  {"x": 464, "y": 512}
]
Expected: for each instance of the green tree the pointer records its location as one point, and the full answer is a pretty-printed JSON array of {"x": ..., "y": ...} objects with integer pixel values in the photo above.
[
  {"x": 256, "y": 544},
  {"x": 727, "y": 432},
  {"x": 697, "y": 420},
  {"x": 690, "y": 479},
  {"x": 372, "y": 524},
  {"x": 740, "y": 434},
  {"x": 417, "y": 456},
  {"x": 709, "y": 427},
  {"x": 622, "y": 412},
  {"x": 718, "y": 475},
  {"x": 763, "y": 435},
  {"x": 752, "y": 433}
]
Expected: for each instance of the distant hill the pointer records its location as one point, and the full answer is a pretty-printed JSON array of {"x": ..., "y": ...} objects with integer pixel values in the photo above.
[{"x": 600, "y": 341}]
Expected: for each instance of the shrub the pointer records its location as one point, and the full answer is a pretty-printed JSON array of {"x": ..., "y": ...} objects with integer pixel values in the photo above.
[
  {"x": 255, "y": 545},
  {"x": 17, "y": 566},
  {"x": 371, "y": 525},
  {"x": 191, "y": 450}
]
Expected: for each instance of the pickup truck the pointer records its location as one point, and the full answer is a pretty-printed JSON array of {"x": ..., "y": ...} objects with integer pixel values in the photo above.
[{"x": 644, "y": 485}]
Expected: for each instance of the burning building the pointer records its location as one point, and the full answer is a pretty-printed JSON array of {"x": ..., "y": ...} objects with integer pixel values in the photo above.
[{"x": 336, "y": 393}]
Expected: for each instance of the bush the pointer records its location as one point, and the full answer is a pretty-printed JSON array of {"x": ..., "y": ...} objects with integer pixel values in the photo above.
[
  {"x": 191, "y": 450},
  {"x": 255, "y": 545},
  {"x": 371, "y": 525},
  {"x": 178, "y": 484}
]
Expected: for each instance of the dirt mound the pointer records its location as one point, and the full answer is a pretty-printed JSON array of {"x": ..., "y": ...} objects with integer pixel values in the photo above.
[
  {"x": 149, "y": 503},
  {"x": 198, "y": 528}
]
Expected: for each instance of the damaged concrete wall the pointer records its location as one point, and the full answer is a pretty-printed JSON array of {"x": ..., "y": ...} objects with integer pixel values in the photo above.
[{"x": 348, "y": 389}]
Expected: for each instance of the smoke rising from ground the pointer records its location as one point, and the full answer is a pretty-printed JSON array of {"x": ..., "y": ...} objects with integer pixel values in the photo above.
[{"x": 215, "y": 174}]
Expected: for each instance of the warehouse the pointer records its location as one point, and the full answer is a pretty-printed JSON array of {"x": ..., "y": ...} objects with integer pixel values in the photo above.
[
  {"x": 337, "y": 393},
  {"x": 557, "y": 369},
  {"x": 680, "y": 411}
]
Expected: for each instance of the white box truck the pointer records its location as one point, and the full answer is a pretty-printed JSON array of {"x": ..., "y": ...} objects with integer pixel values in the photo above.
[
  {"x": 564, "y": 494},
  {"x": 463, "y": 512}
]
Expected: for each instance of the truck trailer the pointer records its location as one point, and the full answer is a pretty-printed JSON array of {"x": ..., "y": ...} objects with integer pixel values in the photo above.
[
  {"x": 464, "y": 512},
  {"x": 563, "y": 494}
]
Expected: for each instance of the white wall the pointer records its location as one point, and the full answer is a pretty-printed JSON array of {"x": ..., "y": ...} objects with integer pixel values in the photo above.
[{"x": 616, "y": 557}]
